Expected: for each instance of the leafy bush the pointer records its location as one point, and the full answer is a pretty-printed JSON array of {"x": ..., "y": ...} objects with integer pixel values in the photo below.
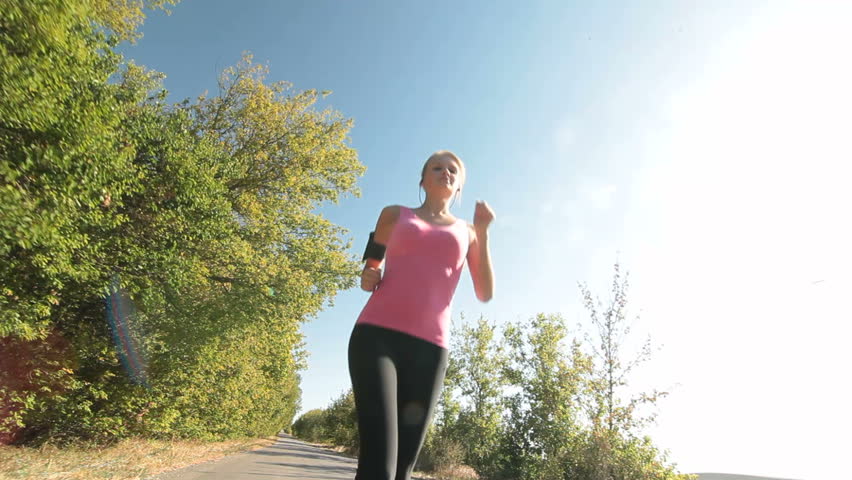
[{"x": 311, "y": 426}]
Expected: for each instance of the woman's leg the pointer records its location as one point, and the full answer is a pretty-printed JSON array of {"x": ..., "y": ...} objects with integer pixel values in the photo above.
[
  {"x": 374, "y": 384},
  {"x": 421, "y": 376}
]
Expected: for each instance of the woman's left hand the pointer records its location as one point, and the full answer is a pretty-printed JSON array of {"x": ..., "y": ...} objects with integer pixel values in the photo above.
[{"x": 482, "y": 215}]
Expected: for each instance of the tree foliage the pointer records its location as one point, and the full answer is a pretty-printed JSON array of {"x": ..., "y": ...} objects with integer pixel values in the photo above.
[
  {"x": 341, "y": 422},
  {"x": 311, "y": 426},
  {"x": 471, "y": 404},
  {"x": 562, "y": 398},
  {"x": 203, "y": 211},
  {"x": 336, "y": 424}
]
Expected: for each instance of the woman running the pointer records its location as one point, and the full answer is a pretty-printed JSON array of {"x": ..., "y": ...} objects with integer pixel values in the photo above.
[{"x": 398, "y": 348}]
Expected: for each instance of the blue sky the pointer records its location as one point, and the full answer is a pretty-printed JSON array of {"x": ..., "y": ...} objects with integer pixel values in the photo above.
[{"x": 705, "y": 145}]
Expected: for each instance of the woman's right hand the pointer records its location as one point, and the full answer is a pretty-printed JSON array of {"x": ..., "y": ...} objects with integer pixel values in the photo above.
[{"x": 370, "y": 277}]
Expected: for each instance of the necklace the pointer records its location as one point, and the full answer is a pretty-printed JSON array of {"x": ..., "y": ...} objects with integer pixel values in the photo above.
[{"x": 434, "y": 215}]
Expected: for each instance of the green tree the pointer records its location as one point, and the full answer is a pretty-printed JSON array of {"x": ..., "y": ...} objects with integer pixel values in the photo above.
[
  {"x": 613, "y": 447},
  {"x": 311, "y": 426},
  {"x": 341, "y": 422},
  {"x": 336, "y": 424},
  {"x": 611, "y": 373},
  {"x": 62, "y": 149},
  {"x": 479, "y": 360},
  {"x": 203, "y": 210},
  {"x": 542, "y": 425}
]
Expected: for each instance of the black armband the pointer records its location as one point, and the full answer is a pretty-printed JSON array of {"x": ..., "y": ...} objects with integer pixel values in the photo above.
[{"x": 374, "y": 250}]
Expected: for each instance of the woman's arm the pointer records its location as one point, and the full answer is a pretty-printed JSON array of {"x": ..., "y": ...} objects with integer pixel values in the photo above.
[
  {"x": 372, "y": 273},
  {"x": 478, "y": 253}
]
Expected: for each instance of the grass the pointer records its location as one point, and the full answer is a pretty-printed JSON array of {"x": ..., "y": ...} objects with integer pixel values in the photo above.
[{"x": 132, "y": 459}]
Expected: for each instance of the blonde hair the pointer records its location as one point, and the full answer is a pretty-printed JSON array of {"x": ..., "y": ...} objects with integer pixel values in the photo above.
[{"x": 441, "y": 153}]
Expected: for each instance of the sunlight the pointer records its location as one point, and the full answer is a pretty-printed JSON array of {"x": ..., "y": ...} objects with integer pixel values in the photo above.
[
  {"x": 760, "y": 152},
  {"x": 752, "y": 195}
]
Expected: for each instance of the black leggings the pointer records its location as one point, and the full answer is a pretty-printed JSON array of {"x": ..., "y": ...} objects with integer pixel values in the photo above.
[{"x": 396, "y": 379}]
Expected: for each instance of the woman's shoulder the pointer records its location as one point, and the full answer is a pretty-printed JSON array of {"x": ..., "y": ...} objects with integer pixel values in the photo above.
[
  {"x": 390, "y": 214},
  {"x": 392, "y": 210}
]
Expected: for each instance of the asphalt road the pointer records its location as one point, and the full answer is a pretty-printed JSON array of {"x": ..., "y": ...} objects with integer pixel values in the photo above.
[
  {"x": 286, "y": 458},
  {"x": 289, "y": 457}
]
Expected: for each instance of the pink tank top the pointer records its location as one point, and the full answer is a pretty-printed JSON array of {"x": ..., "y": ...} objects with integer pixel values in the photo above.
[{"x": 423, "y": 263}]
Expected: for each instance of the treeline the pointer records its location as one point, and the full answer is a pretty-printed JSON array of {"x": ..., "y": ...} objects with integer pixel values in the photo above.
[
  {"x": 529, "y": 400},
  {"x": 195, "y": 218}
]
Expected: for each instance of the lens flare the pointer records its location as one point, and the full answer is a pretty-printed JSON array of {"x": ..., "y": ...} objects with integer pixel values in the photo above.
[{"x": 121, "y": 316}]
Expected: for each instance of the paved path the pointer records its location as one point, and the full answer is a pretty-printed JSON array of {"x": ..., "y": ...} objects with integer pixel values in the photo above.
[
  {"x": 286, "y": 458},
  {"x": 290, "y": 458}
]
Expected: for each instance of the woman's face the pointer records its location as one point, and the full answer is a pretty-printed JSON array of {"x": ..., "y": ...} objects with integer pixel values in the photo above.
[{"x": 442, "y": 175}]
